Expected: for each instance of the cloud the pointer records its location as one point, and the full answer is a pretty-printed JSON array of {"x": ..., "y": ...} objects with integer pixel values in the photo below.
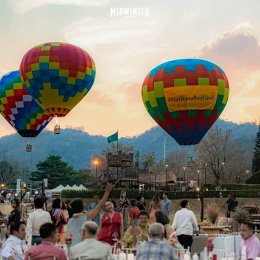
[
  {"x": 120, "y": 46},
  {"x": 237, "y": 51},
  {"x": 23, "y": 6},
  {"x": 3, "y": 71},
  {"x": 113, "y": 30},
  {"x": 98, "y": 98},
  {"x": 5, "y": 128},
  {"x": 237, "y": 48}
]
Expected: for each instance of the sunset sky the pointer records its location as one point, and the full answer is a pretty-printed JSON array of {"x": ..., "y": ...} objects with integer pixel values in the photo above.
[{"x": 126, "y": 48}]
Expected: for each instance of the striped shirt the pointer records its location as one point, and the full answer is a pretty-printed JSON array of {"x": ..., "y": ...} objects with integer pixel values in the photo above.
[{"x": 155, "y": 249}]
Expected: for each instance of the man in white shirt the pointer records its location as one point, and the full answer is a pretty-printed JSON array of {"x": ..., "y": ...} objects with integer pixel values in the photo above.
[
  {"x": 13, "y": 247},
  {"x": 185, "y": 224},
  {"x": 90, "y": 247},
  {"x": 34, "y": 222}
]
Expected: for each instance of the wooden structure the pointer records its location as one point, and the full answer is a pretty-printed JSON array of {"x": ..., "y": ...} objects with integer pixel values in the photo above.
[{"x": 120, "y": 170}]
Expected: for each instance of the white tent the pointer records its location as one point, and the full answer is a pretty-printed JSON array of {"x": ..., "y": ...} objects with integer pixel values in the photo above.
[
  {"x": 68, "y": 187},
  {"x": 75, "y": 187},
  {"x": 81, "y": 187},
  {"x": 58, "y": 189}
]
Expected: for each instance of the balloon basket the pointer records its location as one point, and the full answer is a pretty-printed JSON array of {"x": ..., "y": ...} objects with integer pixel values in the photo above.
[
  {"x": 28, "y": 148},
  {"x": 57, "y": 130}
]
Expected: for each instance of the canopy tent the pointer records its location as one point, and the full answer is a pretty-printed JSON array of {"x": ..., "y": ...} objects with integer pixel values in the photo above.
[
  {"x": 81, "y": 187},
  {"x": 60, "y": 188},
  {"x": 68, "y": 187}
]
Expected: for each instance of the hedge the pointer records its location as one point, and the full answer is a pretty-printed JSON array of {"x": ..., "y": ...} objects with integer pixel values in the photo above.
[
  {"x": 254, "y": 179},
  {"x": 232, "y": 186},
  {"x": 115, "y": 194}
]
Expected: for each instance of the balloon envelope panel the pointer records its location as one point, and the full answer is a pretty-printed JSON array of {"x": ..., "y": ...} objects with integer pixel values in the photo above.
[
  {"x": 185, "y": 97},
  {"x": 18, "y": 107},
  {"x": 57, "y": 75}
]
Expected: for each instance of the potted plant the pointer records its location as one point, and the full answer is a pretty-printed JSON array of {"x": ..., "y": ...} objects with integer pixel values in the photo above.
[{"x": 213, "y": 212}]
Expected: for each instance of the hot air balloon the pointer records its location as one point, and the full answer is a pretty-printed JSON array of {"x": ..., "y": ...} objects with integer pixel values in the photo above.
[
  {"x": 19, "y": 109},
  {"x": 58, "y": 76},
  {"x": 185, "y": 97}
]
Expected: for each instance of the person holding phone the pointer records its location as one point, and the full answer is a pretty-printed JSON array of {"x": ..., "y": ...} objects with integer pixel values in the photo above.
[
  {"x": 111, "y": 225},
  {"x": 137, "y": 232}
]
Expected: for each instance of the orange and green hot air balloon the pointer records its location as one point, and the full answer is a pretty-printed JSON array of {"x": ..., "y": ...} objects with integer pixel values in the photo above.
[
  {"x": 58, "y": 76},
  {"x": 185, "y": 97}
]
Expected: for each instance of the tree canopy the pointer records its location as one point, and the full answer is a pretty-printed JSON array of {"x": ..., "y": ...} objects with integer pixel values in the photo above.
[
  {"x": 56, "y": 171},
  {"x": 256, "y": 156}
]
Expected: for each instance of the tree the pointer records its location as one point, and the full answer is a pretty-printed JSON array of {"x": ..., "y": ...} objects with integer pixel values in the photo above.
[
  {"x": 55, "y": 170},
  {"x": 256, "y": 156},
  {"x": 86, "y": 176},
  {"x": 149, "y": 160},
  {"x": 176, "y": 160},
  {"x": 216, "y": 150},
  {"x": 6, "y": 171}
]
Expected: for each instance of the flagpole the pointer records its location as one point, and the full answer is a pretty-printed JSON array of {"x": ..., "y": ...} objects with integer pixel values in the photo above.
[
  {"x": 117, "y": 154},
  {"x": 117, "y": 142}
]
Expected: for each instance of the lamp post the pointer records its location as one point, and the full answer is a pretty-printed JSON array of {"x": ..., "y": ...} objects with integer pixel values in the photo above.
[
  {"x": 247, "y": 173},
  {"x": 223, "y": 171},
  {"x": 205, "y": 173},
  {"x": 96, "y": 165},
  {"x": 198, "y": 178},
  {"x": 201, "y": 190},
  {"x": 166, "y": 176}
]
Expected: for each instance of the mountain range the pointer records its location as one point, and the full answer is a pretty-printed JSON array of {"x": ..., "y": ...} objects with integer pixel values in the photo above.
[{"x": 78, "y": 148}]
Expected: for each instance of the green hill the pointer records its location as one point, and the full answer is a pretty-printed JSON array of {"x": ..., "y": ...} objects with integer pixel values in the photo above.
[{"x": 77, "y": 147}]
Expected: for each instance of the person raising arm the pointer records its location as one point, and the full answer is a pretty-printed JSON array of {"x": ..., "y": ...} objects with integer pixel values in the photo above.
[
  {"x": 80, "y": 217},
  {"x": 94, "y": 212}
]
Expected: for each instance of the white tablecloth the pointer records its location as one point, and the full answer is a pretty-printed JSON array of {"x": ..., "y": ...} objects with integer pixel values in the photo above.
[
  {"x": 228, "y": 244},
  {"x": 224, "y": 245},
  {"x": 123, "y": 256}
]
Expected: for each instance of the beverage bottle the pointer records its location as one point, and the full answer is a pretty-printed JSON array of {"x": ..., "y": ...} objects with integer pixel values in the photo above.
[
  {"x": 243, "y": 253},
  {"x": 195, "y": 256},
  {"x": 186, "y": 256}
]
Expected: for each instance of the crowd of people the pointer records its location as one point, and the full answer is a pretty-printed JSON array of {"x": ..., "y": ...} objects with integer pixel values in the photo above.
[{"x": 94, "y": 232}]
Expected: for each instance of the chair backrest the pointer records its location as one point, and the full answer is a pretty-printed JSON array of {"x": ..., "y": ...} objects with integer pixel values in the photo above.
[
  {"x": 199, "y": 243},
  {"x": 88, "y": 258},
  {"x": 29, "y": 258}
]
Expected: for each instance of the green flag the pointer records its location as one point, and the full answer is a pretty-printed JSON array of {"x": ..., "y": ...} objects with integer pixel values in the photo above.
[{"x": 113, "y": 137}]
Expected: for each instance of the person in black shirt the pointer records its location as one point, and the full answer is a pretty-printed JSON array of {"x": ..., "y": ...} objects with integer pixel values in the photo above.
[
  {"x": 140, "y": 203},
  {"x": 15, "y": 214},
  {"x": 69, "y": 209},
  {"x": 234, "y": 204}
]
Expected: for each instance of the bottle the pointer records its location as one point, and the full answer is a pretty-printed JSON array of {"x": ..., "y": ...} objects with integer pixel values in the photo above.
[
  {"x": 232, "y": 256},
  {"x": 210, "y": 256},
  {"x": 195, "y": 256},
  {"x": 243, "y": 253},
  {"x": 205, "y": 253},
  {"x": 186, "y": 256}
]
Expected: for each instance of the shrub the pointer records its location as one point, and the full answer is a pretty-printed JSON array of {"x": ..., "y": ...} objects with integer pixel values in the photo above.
[
  {"x": 148, "y": 194},
  {"x": 213, "y": 212},
  {"x": 241, "y": 215}
]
